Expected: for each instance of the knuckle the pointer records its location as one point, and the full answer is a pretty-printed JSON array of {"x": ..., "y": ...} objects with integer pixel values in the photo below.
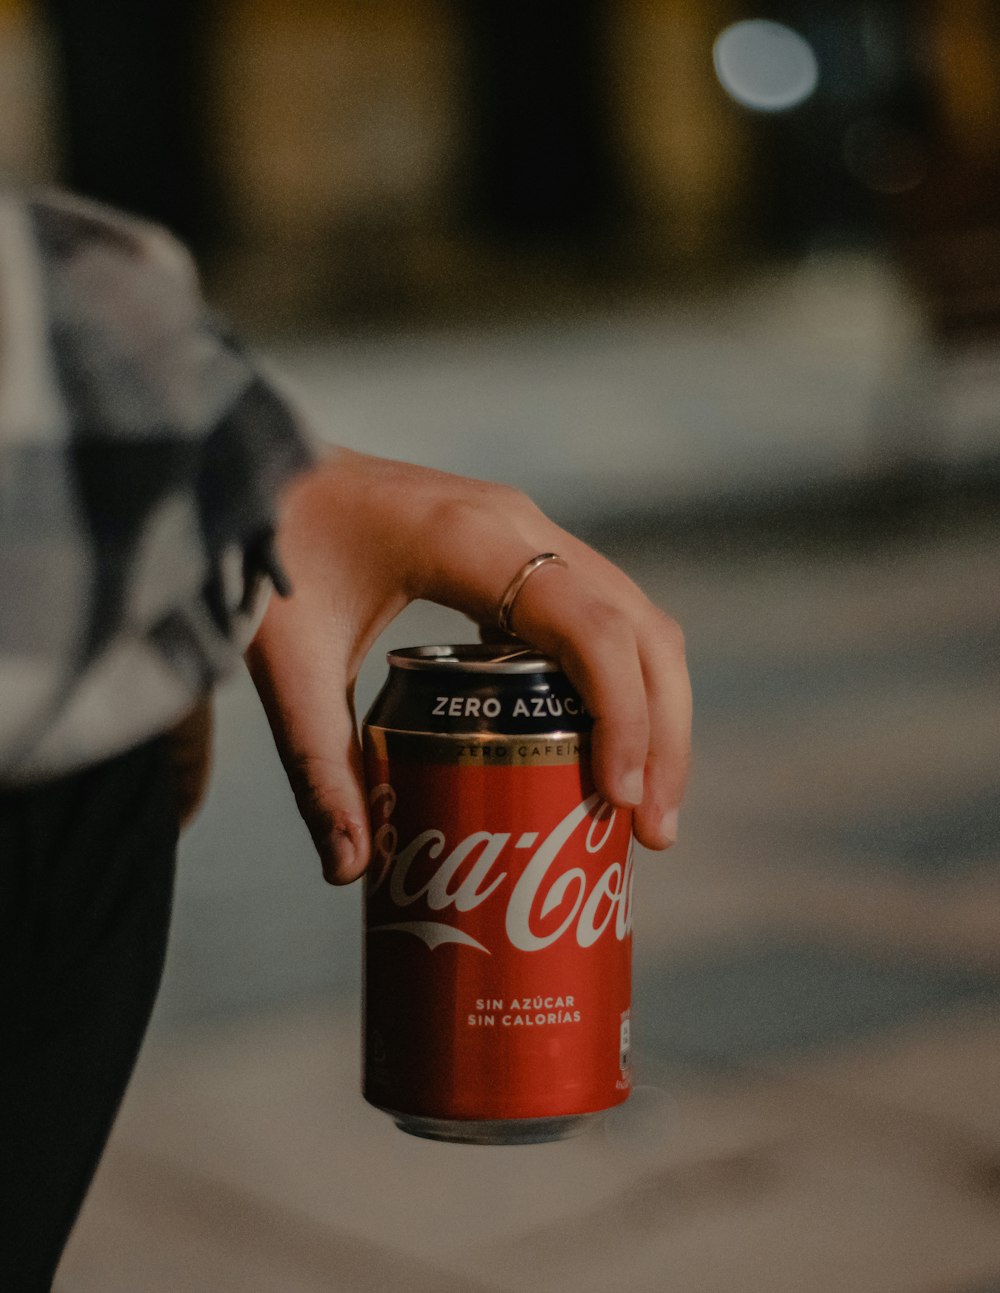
[
  {"x": 670, "y": 769},
  {"x": 606, "y": 625},
  {"x": 452, "y": 516},
  {"x": 669, "y": 635},
  {"x": 477, "y": 504},
  {"x": 475, "y": 499},
  {"x": 513, "y": 499},
  {"x": 311, "y": 778},
  {"x": 508, "y": 498},
  {"x": 309, "y": 769},
  {"x": 633, "y": 727}
]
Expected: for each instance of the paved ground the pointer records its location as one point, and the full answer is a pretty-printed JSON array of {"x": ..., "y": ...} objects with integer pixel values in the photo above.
[
  {"x": 784, "y": 379},
  {"x": 817, "y": 983}
]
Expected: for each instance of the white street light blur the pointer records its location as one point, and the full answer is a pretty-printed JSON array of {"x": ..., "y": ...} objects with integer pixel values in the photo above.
[{"x": 765, "y": 65}]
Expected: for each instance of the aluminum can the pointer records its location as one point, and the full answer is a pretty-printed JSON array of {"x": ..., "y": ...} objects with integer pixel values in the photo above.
[{"x": 498, "y": 903}]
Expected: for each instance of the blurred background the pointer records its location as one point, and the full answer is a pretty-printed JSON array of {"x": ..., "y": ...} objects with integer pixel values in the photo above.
[{"x": 720, "y": 286}]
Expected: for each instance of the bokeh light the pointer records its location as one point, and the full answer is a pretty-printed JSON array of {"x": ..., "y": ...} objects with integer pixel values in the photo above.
[{"x": 765, "y": 65}]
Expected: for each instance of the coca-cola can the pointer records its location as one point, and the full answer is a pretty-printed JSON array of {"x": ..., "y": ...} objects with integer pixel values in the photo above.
[{"x": 498, "y": 903}]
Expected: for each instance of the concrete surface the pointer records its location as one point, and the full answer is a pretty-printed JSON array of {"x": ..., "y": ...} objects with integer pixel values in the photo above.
[{"x": 801, "y": 376}]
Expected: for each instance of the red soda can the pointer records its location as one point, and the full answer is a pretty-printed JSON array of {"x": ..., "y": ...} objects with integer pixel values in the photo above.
[{"x": 498, "y": 904}]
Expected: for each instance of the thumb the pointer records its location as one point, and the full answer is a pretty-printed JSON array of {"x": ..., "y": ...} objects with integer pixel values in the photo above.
[{"x": 309, "y": 702}]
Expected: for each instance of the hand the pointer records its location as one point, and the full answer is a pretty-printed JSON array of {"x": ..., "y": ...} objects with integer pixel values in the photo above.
[{"x": 360, "y": 538}]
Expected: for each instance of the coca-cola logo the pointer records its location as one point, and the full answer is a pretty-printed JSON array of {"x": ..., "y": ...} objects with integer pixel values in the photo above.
[{"x": 549, "y": 899}]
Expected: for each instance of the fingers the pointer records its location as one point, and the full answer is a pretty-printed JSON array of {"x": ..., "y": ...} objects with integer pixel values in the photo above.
[
  {"x": 627, "y": 661},
  {"x": 623, "y": 655},
  {"x": 596, "y": 647},
  {"x": 668, "y": 695},
  {"x": 310, "y": 711}
]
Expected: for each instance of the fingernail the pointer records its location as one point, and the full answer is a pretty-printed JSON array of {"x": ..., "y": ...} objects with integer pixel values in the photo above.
[
  {"x": 632, "y": 786},
  {"x": 343, "y": 854},
  {"x": 668, "y": 826}
]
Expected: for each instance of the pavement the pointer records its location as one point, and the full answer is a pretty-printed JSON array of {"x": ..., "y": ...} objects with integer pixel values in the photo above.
[
  {"x": 817, "y": 989},
  {"x": 785, "y": 379}
]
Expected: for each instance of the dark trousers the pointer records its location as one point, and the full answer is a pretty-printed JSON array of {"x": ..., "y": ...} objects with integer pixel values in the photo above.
[{"x": 86, "y": 878}]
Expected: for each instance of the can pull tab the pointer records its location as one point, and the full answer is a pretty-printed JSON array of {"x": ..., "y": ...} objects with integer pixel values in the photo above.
[{"x": 513, "y": 655}]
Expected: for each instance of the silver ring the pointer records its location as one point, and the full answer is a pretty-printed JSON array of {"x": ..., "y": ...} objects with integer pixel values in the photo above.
[{"x": 517, "y": 583}]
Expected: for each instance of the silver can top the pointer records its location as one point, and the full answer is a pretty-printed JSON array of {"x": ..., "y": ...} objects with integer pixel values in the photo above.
[{"x": 473, "y": 657}]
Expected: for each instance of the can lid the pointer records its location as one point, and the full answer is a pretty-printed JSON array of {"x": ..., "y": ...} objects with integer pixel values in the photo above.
[{"x": 474, "y": 657}]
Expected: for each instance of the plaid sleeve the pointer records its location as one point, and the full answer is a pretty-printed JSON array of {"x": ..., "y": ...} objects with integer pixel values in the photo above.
[{"x": 141, "y": 454}]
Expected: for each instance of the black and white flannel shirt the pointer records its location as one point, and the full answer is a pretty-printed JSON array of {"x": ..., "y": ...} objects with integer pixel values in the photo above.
[{"x": 141, "y": 454}]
